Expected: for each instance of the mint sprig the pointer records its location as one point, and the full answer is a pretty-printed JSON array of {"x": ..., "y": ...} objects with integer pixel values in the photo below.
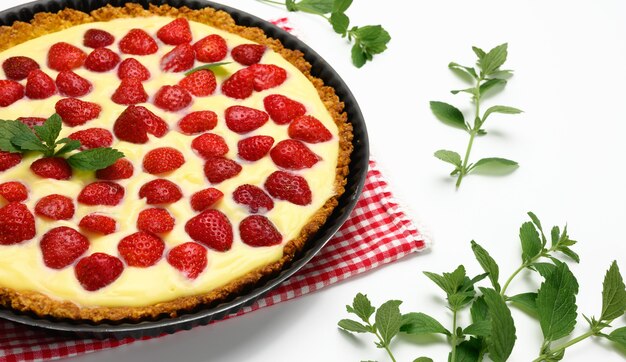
[
  {"x": 492, "y": 331},
  {"x": 368, "y": 40},
  {"x": 16, "y": 137},
  {"x": 210, "y": 66},
  {"x": 486, "y": 77}
]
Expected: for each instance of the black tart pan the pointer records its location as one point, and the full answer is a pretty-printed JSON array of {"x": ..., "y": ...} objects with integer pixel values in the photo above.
[{"x": 203, "y": 316}]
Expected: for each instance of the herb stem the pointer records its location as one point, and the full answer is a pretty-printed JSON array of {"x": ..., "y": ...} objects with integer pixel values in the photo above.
[
  {"x": 454, "y": 337},
  {"x": 271, "y": 2},
  {"x": 382, "y": 343},
  {"x": 473, "y": 131},
  {"x": 551, "y": 352},
  {"x": 508, "y": 281}
]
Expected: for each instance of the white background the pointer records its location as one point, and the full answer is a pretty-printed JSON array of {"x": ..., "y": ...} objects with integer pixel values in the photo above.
[{"x": 569, "y": 59}]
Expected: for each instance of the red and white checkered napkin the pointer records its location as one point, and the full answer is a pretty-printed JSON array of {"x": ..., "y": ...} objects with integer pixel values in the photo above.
[{"x": 377, "y": 232}]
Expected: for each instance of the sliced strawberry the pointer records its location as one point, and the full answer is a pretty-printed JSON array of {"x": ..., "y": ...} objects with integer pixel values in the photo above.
[
  {"x": 98, "y": 224},
  {"x": 52, "y": 167},
  {"x": 130, "y": 91},
  {"x": 120, "y": 170},
  {"x": 160, "y": 191},
  {"x": 254, "y": 197},
  {"x": 98, "y": 270},
  {"x": 62, "y": 246},
  {"x": 293, "y": 155},
  {"x": 189, "y": 258},
  {"x": 179, "y": 59},
  {"x": 155, "y": 125},
  {"x": 198, "y": 122},
  {"x": 240, "y": 85},
  {"x": 138, "y": 42},
  {"x": 101, "y": 193},
  {"x": 65, "y": 56},
  {"x": 162, "y": 159},
  {"x": 155, "y": 220},
  {"x": 132, "y": 68},
  {"x": 10, "y": 92},
  {"x": 71, "y": 84},
  {"x": 288, "y": 186},
  {"x": 55, "y": 207},
  {"x": 8, "y": 160},
  {"x": 309, "y": 129},
  {"x": 93, "y": 138},
  {"x": 172, "y": 98},
  {"x": 281, "y": 109},
  {"x": 206, "y": 198},
  {"x": 130, "y": 127},
  {"x": 254, "y": 148},
  {"x": 31, "y": 122},
  {"x": 209, "y": 145},
  {"x": 17, "y": 68},
  {"x": 211, "y": 228},
  {"x": 96, "y": 38},
  {"x": 141, "y": 249},
  {"x": 13, "y": 191},
  {"x": 17, "y": 224},
  {"x": 258, "y": 231},
  {"x": 200, "y": 83},
  {"x": 248, "y": 54},
  {"x": 242, "y": 119},
  {"x": 102, "y": 60},
  {"x": 75, "y": 112},
  {"x": 267, "y": 76},
  {"x": 175, "y": 32},
  {"x": 39, "y": 85},
  {"x": 211, "y": 49},
  {"x": 218, "y": 169}
]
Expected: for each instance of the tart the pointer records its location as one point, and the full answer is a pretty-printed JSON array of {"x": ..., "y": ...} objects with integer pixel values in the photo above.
[{"x": 234, "y": 156}]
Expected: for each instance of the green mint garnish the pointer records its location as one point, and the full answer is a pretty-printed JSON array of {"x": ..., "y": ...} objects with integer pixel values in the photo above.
[{"x": 210, "y": 66}]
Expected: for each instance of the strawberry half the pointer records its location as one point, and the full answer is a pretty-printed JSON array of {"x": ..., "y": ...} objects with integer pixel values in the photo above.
[
  {"x": 175, "y": 32},
  {"x": 96, "y": 38},
  {"x": 75, "y": 112},
  {"x": 10, "y": 92},
  {"x": 141, "y": 249},
  {"x": 248, "y": 54},
  {"x": 309, "y": 129},
  {"x": 211, "y": 49},
  {"x": 240, "y": 85},
  {"x": 97, "y": 271},
  {"x": 211, "y": 228},
  {"x": 65, "y": 56},
  {"x": 52, "y": 167},
  {"x": 98, "y": 224},
  {"x": 258, "y": 231},
  {"x": 254, "y": 148},
  {"x": 13, "y": 191},
  {"x": 130, "y": 91},
  {"x": 209, "y": 145},
  {"x": 39, "y": 85},
  {"x": 134, "y": 124},
  {"x": 189, "y": 258},
  {"x": 254, "y": 198},
  {"x": 198, "y": 122},
  {"x": 267, "y": 76},
  {"x": 8, "y": 160},
  {"x": 101, "y": 193},
  {"x": 242, "y": 119},
  {"x": 172, "y": 98},
  {"x": 132, "y": 68},
  {"x": 120, "y": 170},
  {"x": 93, "y": 138},
  {"x": 155, "y": 220},
  {"x": 138, "y": 42},
  {"x": 293, "y": 155},
  {"x": 55, "y": 207},
  {"x": 281, "y": 109},
  {"x": 162, "y": 159},
  {"x": 62, "y": 246},
  {"x": 218, "y": 169},
  {"x": 200, "y": 83},
  {"x": 17, "y": 224},
  {"x": 71, "y": 84},
  {"x": 179, "y": 59},
  {"x": 206, "y": 198},
  {"x": 160, "y": 191},
  {"x": 288, "y": 186},
  {"x": 102, "y": 60},
  {"x": 17, "y": 68}
]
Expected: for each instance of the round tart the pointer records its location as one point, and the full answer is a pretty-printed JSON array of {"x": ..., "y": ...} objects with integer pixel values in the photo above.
[{"x": 234, "y": 155}]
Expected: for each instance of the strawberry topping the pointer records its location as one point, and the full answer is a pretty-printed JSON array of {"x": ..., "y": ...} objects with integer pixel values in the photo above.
[
  {"x": 10, "y": 92},
  {"x": 209, "y": 145},
  {"x": 179, "y": 59},
  {"x": 98, "y": 224},
  {"x": 189, "y": 258},
  {"x": 293, "y": 155},
  {"x": 17, "y": 68},
  {"x": 254, "y": 197},
  {"x": 8, "y": 160},
  {"x": 102, "y": 60},
  {"x": 134, "y": 124},
  {"x": 13, "y": 191},
  {"x": 141, "y": 249},
  {"x": 55, "y": 207},
  {"x": 93, "y": 138},
  {"x": 130, "y": 91},
  {"x": 254, "y": 148},
  {"x": 132, "y": 68},
  {"x": 172, "y": 98},
  {"x": 240, "y": 85},
  {"x": 281, "y": 109},
  {"x": 101, "y": 193},
  {"x": 218, "y": 169},
  {"x": 309, "y": 129},
  {"x": 211, "y": 228},
  {"x": 31, "y": 122},
  {"x": 98, "y": 270},
  {"x": 198, "y": 122},
  {"x": 96, "y": 38},
  {"x": 206, "y": 198},
  {"x": 162, "y": 159},
  {"x": 155, "y": 220},
  {"x": 52, "y": 167},
  {"x": 75, "y": 112},
  {"x": 290, "y": 187},
  {"x": 200, "y": 83},
  {"x": 258, "y": 231},
  {"x": 211, "y": 49},
  {"x": 71, "y": 84},
  {"x": 248, "y": 54},
  {"x": 62, "y": 246},
  {"x": 17, "y": 224},
  {"x": 160, "y": 191},
  {"x": 138, "y": 42},
  {"x": 176, "y": 32},
  {"x": 120, "y": 170},
  {"x": 267, "y": 76},
  {"x": 242, "y": 119},
  {"x": 65, "y": 56},
  {"x": 39, "y": 85}
]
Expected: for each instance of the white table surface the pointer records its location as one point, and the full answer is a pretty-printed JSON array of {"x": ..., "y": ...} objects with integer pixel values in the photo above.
[{"x": 569, "y": 59}]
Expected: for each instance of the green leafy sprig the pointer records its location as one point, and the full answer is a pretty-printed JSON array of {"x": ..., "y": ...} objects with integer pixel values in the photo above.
[
  {"x": 368, "y": 40},
  {"x": 492, "y": 329},
  {"x": 210, "y": 66},
  {"x": 16, "y": 137},
  {"x": 486, "y": 77}
]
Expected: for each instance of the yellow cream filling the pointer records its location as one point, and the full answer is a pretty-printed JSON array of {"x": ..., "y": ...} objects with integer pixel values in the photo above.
[{"x": 22, "y": 267}]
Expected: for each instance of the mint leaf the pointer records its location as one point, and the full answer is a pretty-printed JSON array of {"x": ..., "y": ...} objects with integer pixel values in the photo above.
[
  {"x": 494, "y": 166},
  {"x": 467, "y": 351},
  {"x": 556, "y": 303},
  {"x": 94, "y": 159},
  {"x": 358, "y": 56},
  {"x": 440, "y": 281},
  {"x": 537, "y": 223},
  {"x": 479, "y": 53},
  {"x": 68, "y": 145},
  {"x": 488, "y": 264},
  {"x": 209, "y": 66},
  {"x": 10, "y": 130},
  {"x": 27, "y": 141},
  {"x": 527, "y": 301},
  {"x": 503, "y": 336},
  {"x": 613, "y": 294},
  {"x": 479, "y": 310},
  {"x": 340, "y": 6},
  {"x": 491, "y": 84},
  {"x": 388, "y": 320},
  {"x": 420, "y": 323},
  {"x": 340, "y": 22},
  {"x": 466, "y": 70},
  {"x": 480, "y": 328},
  {"x": 362, "y": 307},
  {"x": 491, "y": 61},
  {"x": 569, "y": 253},
  {"x": 315, "y": 6},
  {"x": 372, "y": 39},
  {"x": 618, "y": 336},
  {"x": 291, "y": 5},
  {"x": 423, "y": 359},
  {"x": 449, "y": 157},
  {"x": 531, "y": 244},
  {"x": 544, "y": 269},
  {"x": 49, "y": 131},
  {"x": 501, "y": 109},
  {"x": 352, "y": 326},
  {"x": 448, "y": 114}
]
